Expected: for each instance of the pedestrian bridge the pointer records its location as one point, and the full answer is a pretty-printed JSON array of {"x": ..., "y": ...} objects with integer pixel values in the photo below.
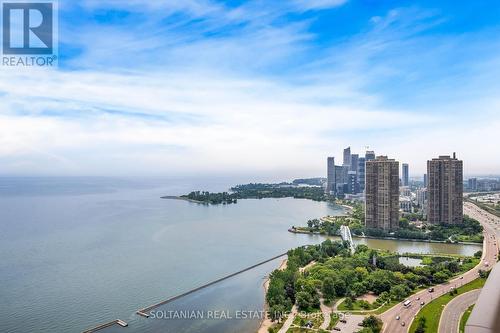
[{"x": 346, "y": 235}]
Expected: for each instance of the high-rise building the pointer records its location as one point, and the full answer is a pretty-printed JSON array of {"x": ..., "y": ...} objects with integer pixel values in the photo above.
[
  {"x": 361, "y": 173},
  {"x": 369, "y": 155},
  {"x": 339, "y": 177},
  {"x": 425, "y": 180},
  {"x": 382, "y": 193},
  {"x": 421, "y": 197},
  {"x": 445, "y": 190},
  {"x": 353, "y": 174},
  {"x": 352, "y": 182},
  {"x": 347, "y": 156},
  {"x": 472, "y": 184},
  {"x": 330, "y": 175},
  {"x": 354, "y": 162},
  {"x": 406, "y": 176}
]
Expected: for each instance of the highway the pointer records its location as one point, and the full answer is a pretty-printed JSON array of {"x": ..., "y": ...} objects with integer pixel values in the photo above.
[
  {"x": 490, "y": 251},
  {"x": 450, "y": 318}
]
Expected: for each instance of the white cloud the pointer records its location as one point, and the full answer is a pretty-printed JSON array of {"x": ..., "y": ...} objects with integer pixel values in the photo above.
[
  {"x": 318, "y": 4},
  {"x": 229, "y": 123},
  {"x": 170, "y": 102}
]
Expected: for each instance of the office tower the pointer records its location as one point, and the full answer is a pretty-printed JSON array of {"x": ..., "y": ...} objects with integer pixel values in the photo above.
[
  {"x": 425, "y": 180},
  {"x": 445, "y": 190},
  {"x": 330, "y": 175},
  {"x": 345, "y": 171},
  {"x": 352, "y": 182},
  {"x": 347, "y": 156},
  {"x": 339, "y": 178},
  {"x": 361, "y": 174},
  {"x": 354, "y": 162},
  {"x": 341, "y": 189},
  {"x": 382, "y": 193},
  {"x": 472, "y": 184},
  {"x": 406, "y": 176},
  {"x": 369, "y": 155}
]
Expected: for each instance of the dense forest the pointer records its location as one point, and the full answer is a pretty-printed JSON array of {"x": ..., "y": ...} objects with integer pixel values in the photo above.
[{"x": 258, "y": 191}]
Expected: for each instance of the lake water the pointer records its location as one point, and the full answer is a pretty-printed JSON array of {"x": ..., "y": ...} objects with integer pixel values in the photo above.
[{"x": 77, "y": 252}]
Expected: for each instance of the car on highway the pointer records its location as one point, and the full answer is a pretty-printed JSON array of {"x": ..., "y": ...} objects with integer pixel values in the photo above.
[
  {"x": 407, "y": 303},
  {"x": 398, "y": 317},
  {"x": 422, "y": 303},
  {"x": 431, "y": 290},
  {"x": 403, "y": 323}
]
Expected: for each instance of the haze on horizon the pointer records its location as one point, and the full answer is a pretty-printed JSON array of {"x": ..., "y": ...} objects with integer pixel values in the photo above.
[{"x": 253, "y": 87}]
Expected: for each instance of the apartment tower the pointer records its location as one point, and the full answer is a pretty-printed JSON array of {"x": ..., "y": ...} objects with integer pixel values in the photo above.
[
  {"x": 382, "y": 193},
  {"x": 406, "y": 174},
  {"x": 445, "y": 190}
]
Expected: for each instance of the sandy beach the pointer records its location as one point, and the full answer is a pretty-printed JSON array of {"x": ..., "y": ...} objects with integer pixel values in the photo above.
[{"x": 266, "y": 322}]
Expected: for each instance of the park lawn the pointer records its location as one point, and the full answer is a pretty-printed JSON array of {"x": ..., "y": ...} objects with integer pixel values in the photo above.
[
  {"x": 432, "y": 311},
  {"x": 316, "y": 318},
  {"x": 464, "y": 318},
  {"x": 355, "y": 307}
]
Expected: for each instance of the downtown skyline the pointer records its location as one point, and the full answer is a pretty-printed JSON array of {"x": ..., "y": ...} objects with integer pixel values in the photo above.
[{"x": 236, "y": 88}]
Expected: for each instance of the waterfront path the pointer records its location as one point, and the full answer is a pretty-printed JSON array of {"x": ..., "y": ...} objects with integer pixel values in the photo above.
[
  {"x": 326, "y": 310},
  {"x": 450, "y": 319},
  {"x": 289, "y": 321},
  {"x": 490, "y": 251}
]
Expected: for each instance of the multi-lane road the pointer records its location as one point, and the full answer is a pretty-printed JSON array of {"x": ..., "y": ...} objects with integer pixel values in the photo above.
[
  {"x": 491, "y": 232},
  {"x": 452, "y": 312}
]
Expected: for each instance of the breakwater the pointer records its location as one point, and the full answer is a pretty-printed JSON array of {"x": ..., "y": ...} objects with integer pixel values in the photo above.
[{"x": 145, "y": 311}]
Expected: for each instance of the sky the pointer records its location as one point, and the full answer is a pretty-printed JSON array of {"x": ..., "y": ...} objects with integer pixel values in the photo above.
[{"x": 259, "y": 88}]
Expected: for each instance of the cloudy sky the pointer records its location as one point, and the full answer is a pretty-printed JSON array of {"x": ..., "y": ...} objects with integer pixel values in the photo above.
[{"x": 271, "y": 88}]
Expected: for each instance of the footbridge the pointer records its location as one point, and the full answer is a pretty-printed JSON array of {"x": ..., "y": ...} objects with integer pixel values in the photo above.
[{"x": 346, "y": 235}]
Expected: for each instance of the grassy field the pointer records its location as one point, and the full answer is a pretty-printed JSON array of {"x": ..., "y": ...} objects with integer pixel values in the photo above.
[
  {"x": 432, "y": 311},
  {"x": 464, "y": 318},
  {"x": 315, "y": 318}
]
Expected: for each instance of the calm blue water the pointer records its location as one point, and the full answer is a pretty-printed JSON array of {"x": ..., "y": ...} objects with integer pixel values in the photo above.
[{"x": 77, "y": 252}]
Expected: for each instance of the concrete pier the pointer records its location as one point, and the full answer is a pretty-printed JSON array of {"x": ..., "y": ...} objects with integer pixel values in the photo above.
[{"x": 105, "y": 325}]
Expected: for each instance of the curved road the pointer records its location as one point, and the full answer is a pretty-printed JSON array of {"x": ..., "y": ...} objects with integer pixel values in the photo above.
[
  {"x": 450, "y": 318},
  {"x": 490, "y": 250}
]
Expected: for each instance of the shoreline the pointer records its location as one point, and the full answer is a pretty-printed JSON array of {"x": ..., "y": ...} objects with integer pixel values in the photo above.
[
  {"x": 266, "y": 323},
  {"x": 384, "y": 238},
  {"x": 176, "y": 197}
]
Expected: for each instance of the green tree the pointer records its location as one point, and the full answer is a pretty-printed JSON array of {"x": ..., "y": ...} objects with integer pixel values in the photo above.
[
  {"x": 340, "y": 288},
  {"x": 303, "y": 300},
  {"x": 399, "y": 292},
  {"x": 359, "y": 289},
  {"x": 421, "y": 325},
  {"x": 373, "y": 323},
  {"x": 328, "y": 289},
  {"x": 349, "y": 303},
  {"x": 439, "y": 277}
]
